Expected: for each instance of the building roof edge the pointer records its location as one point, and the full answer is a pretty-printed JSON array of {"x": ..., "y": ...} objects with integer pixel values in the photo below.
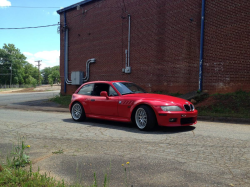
[{"x": 73, "y": 6}]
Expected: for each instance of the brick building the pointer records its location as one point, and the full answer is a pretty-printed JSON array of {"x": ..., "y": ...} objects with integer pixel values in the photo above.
[{"x": 164, "y": 48}]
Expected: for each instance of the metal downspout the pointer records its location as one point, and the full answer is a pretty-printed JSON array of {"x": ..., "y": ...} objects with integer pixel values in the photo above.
[
  {"x": 128, "y": 53},
  {"x": 201, "y": 45},
  {"x": 65, "y": 53},
  {"x": 92, "y": 60}
]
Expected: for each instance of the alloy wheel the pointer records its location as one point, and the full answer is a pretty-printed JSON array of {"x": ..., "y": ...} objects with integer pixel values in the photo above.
[
  {"x": 141, "y": 118},
  {"x": 76, "y": 111}
]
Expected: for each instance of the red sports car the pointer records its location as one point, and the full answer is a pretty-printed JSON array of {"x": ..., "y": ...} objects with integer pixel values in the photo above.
[{"x": 125, "y": 101}]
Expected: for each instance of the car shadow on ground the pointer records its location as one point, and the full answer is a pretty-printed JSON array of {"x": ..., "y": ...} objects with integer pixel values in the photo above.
[
  {"x": 39, "y": 103},
  {"x": 130, "y": 127}
]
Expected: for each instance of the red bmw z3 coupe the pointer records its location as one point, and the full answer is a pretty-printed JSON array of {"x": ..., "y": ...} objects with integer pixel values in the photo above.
[{"x": 126, "y": 102}]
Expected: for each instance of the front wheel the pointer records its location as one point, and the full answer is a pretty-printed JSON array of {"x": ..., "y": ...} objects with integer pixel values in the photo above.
[
  {"x": 145, "y": 118},
  {"x": 77, "y": 112}
]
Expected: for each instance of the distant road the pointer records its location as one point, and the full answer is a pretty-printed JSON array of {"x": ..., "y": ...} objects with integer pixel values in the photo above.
[{"x": 22, "y": 98}]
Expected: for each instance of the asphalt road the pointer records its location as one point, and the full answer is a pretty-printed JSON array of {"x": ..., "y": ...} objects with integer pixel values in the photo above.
[
  {"x": 19, "y": 98},
  {"x": 209, "y": 154},
  {"x": 28, "y": 101}
]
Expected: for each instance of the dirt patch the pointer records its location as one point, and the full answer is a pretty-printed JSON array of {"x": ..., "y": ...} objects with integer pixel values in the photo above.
[{"x": 48, "y": 88}]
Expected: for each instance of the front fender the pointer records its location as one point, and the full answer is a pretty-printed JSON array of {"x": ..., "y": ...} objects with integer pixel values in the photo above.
[{"x": 151, "y": 104}]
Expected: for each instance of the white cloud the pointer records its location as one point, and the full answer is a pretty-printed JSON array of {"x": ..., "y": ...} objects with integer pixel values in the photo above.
[
  {"x": 5, "y": 3},
  {"x": 27, "y": 54},
  {"x": 49, "y": 58},
  {"x": 55, "y": 13}
]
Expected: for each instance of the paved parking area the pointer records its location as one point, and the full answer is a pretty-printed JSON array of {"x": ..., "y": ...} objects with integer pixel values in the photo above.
[{"x": 209, "y": 154}]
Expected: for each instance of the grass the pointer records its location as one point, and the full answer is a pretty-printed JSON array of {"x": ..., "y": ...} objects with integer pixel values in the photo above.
[
  {"x": 10, "y": 176},
  {"x": 62, "y": 100},
  {"x": 236, "y": 104}
]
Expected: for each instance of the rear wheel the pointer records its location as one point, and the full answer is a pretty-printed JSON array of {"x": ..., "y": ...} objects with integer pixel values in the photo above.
[
  {"x": 77, "y": 112},
  {"x": 145, "y": 118}
]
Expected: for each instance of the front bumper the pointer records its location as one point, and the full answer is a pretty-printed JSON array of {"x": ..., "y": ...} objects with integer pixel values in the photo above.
[{"x": 180, "y": 118}]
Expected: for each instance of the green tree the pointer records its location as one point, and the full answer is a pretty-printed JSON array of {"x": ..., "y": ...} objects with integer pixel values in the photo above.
[
  {"x": 56, "y": 74},
  {"x": 11, "y": 63},
  {"x": 50, "y": 79},
  {"x": 45, "y": 74},
  {"x": 51, "y": 75},
  {"x": 30, "y": 70},
  {"x": 14, "y": 69},
  {"x": 31, "y": 81}
]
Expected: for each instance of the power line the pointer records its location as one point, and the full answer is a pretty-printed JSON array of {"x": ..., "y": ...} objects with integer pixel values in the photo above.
[
  {"x": 31, "y": 27},
  {"x": 29, "y": 7}
]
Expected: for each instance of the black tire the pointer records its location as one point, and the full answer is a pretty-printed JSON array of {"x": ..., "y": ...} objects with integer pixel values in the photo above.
[
  {"x": 144, "y": 118},
  {"x": 77, "y": 112}
]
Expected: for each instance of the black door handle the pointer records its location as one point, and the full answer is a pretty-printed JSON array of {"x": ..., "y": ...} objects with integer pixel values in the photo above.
[{"x": 92, "y": 100}]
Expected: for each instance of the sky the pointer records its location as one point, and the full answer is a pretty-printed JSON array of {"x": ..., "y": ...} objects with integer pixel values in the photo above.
[{"x": 37, "y": 43}]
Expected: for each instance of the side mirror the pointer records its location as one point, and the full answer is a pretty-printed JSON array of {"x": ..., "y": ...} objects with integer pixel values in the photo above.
[{"x": 105, "y": 94}]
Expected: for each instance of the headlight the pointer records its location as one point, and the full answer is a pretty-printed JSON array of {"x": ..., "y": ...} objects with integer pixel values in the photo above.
[
  {"x": 192, "y": 107},
  {"x": 171, "y": 108}
]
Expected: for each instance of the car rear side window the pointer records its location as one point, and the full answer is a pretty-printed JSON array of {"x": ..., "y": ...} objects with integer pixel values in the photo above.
[{"x": 86, "y": 90}]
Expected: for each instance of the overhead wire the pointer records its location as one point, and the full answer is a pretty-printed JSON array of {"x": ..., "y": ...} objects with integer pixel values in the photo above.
[
  {"x": 32, "y": 27},
  {"x": 28, "y": 7}
]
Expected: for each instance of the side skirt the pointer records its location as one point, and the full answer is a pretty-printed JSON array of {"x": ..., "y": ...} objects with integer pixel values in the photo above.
[{"x": 108, "y": 118}]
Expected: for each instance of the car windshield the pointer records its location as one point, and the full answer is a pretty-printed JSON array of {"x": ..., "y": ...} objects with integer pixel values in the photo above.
[{"x": 128, "y": 88}]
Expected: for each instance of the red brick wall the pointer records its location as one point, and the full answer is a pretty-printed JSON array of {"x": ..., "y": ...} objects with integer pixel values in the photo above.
[
  {"x": 227, "y": 45},
  {"x": 165, "y": 40}
]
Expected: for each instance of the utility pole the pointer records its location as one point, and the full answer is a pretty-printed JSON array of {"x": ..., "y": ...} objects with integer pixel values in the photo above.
[
  {"x": 10, "y": 74},
  {"x": 38, "y": 61}
]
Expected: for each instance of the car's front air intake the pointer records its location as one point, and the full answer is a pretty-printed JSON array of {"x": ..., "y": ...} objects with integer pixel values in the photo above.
[{"x": 187, "y": 107}]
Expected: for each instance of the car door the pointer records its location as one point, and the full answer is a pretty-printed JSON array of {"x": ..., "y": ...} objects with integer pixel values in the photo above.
[
  {"x": 100, "y": 105},
  {"x": 84, "y": 95}
]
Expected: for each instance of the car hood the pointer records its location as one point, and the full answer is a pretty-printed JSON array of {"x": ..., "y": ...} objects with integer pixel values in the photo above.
[{"x": 157, "y": 97}]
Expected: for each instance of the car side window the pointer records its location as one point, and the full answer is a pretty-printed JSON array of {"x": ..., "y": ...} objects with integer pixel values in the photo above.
[
  {"x": 112, "y": 92},
  {"x": 86, "y": 90},
  {"x": 99, "y": 87}
]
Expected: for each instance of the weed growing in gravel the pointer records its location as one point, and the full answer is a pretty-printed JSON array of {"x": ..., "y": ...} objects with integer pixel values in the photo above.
[
  {"x": 127, "y": 173},
  {"x": 60, "y": 151},
  {"x": 18, "y": 157}
]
